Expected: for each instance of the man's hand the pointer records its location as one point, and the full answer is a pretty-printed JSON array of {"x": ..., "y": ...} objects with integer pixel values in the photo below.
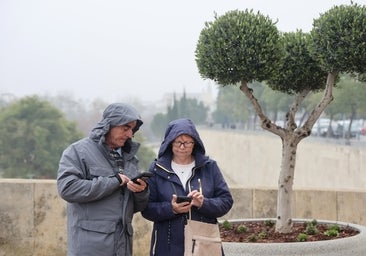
[{"x": 137, "y": 187}]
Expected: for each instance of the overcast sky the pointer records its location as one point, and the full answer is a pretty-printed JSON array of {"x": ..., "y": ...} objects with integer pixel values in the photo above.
[{"x": 116, "y": 49}]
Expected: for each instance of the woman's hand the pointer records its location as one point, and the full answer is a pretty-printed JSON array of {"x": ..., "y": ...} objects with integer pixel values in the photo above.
[
  {"x": 180, "y": 207},
  {"x": 197, "y": 198}
]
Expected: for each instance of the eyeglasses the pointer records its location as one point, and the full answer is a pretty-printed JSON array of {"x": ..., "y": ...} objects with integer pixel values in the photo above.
[{"x": 186, "y": 144}]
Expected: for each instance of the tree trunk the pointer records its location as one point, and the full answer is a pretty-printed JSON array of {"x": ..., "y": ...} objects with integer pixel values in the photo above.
[
  {"x": 291, "y": 135},
  {"x": 285, "y": 184}
]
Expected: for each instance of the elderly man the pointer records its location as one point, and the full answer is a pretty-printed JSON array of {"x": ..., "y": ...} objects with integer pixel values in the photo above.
[{"x": 94, "y": 177}]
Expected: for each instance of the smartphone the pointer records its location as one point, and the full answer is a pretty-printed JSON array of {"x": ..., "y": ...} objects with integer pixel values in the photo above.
[
  {"x": 143, "y": 176},
  {"x": 181, "y": 199}
]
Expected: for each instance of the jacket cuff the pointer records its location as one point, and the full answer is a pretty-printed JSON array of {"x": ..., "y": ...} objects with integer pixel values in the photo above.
[{"x": 118, "y": 178}]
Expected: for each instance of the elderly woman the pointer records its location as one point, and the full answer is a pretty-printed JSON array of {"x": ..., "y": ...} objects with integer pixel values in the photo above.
[{"x": 183, "y": 169}]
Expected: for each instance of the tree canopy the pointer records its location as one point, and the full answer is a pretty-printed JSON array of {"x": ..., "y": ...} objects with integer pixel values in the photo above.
[
  {"x": 33, "y": 135},
  {"x": 238, "y": 46}
]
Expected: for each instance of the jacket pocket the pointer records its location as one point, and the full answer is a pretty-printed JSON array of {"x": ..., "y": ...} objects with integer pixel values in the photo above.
[
  {"x": 96, "y": 237},
  {"x": 100, "y": 226}
]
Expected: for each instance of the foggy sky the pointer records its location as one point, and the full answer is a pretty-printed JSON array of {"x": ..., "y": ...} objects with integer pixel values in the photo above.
[{"x": 115, "y": 49}]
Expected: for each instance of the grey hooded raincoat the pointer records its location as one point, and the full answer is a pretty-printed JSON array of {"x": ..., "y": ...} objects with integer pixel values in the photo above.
[{"x": 99, "y": 211}]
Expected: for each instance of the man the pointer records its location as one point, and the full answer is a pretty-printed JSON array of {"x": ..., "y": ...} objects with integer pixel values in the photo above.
[{"x": 94, "y": 177}]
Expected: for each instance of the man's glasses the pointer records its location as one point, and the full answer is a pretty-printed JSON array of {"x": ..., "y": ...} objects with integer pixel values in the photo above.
[{"x": 186, "y": 144}]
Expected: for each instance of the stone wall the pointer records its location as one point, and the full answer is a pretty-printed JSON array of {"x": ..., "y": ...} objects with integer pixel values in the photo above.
[
  {"x": 254, "y": 160},
  {"x": 33, "y": 219}
]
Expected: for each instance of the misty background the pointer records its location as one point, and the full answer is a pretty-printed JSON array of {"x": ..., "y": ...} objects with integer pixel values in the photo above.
[{"x": 120, "y": 50}]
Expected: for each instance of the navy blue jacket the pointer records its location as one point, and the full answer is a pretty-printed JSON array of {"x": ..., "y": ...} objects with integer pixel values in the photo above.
[{"x": 168, "y": 229}]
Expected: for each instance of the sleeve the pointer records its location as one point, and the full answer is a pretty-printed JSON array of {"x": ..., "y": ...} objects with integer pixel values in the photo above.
[
  {"x": 158, "y": 209},
  {"x": 74, "y": 183},
  {"x": 219, "y": 201},
  {"x": 141, "y": 199}
]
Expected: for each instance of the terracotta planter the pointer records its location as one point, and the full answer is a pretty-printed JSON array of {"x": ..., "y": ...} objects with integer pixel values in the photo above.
[{"x": 355, "y": 245}]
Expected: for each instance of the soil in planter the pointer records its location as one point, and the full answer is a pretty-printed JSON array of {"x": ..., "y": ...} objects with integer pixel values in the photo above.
[{"x": 264, "y": 232}]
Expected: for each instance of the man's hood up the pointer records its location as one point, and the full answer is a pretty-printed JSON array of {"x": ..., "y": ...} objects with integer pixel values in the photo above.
[{"x": 116, "y": 114}]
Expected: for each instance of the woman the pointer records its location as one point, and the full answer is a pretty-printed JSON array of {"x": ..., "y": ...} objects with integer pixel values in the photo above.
[{"x": 183, "y": 169}]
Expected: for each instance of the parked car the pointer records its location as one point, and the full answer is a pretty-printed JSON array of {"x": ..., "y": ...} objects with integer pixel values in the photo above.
[{"x": 323, "y": 127}]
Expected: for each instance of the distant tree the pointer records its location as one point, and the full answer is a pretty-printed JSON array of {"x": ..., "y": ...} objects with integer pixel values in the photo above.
[
  {"x": 84, "y": 114},
  {"x": 184, "y": 107},
  {"x": 145, "y": 153},
  {"x": 173, "y": 111},
  {"x": 241, "y": 46},
  {"x": 274, "y": 102},
  {"x": 350, "y": 99},
  {"x": 231, "y": 107},
  {"x": 158, "y": 124},
  {"x": 187, "y": 107},
  {"x": 33, "y": 134}
]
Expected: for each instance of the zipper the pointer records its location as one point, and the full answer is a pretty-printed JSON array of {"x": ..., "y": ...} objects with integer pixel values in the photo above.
[{"x": 154, "y": 245}]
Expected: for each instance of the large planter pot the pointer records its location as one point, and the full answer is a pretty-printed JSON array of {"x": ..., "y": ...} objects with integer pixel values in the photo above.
[{"x": 355, "y": 245}]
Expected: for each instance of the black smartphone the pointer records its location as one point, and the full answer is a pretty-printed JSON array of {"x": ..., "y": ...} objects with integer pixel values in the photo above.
[
  {"x": 181, "y": 199},
  {"x": 143, "y": 176}
]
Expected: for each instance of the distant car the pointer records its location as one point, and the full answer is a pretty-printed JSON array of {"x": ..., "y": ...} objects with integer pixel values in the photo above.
[{"x": 321, "y": 128}]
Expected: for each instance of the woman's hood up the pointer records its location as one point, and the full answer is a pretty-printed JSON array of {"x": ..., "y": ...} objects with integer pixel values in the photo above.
[
  {"x": 115, "y": 114},
  {"x": 176, "y": 128}
]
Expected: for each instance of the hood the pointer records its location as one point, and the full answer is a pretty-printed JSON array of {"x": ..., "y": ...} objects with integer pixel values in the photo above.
[
  {"x": 115, "y": 114},
  {"x": 176, "y": 128}
]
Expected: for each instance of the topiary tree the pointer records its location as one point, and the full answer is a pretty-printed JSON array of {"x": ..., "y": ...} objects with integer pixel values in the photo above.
[{"x": 243, "y": 46}]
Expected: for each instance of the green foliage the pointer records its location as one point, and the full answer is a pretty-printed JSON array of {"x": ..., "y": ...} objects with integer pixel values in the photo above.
[
  {"x": 262, "y": 235},
  {"x": 297, "y": 70},
  {"x": 334, "y": 227},
  {"x": 227, "y": 225},
  {"x": 145, "y": 154},
  {"x": 311, "y": 228},
  {"x": 314, "y": 222},
  {"x": 252, "y": 238},
  {"x": 338, "y": 39},
  {"x": 187, "y": 107},
  {"x": 238, "y": 46},
  {"x": 269, "y": 223},
  {"x": 350, "y": 96},
  {"x": 302, "y": 237},
  {"x": 331, "y": 233},
  {"x": 182, "y": 108},
  {"x": 241, "y": 228},
  {"x": 158, "y": 124},
  {"x": 230, "y": 102},
  {"x": 273, "y": 102},
  {"x": 361, "y": 77},
  {"x": 33, "y": 135}
]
